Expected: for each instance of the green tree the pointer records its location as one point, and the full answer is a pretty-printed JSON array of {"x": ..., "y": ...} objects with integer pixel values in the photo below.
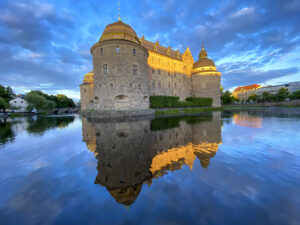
[
  {"x": 254, "y": 98},
  {"x": 3, "y": 104},
  {"x": 266, "y": 96},
  {"x": 295, "y": 95},
  {"x": 39, "y": 102},
  {"x": 282, "y": 94},
  {"x": 227, "y": 97},
  {"x": 6, "y": 93}
]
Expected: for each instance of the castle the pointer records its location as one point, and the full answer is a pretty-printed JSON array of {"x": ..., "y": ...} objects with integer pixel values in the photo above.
[{"x": 127, "y": 70}]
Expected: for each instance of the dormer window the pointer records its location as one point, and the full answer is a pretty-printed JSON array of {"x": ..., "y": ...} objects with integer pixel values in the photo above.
[{"x": 117, "y": 49}]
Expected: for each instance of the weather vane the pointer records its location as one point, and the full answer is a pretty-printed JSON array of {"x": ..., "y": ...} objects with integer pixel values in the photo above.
[{"x": 119, "y": 10}]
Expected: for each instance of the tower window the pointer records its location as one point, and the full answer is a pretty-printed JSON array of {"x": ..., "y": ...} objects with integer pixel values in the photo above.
[
  {"x": 117, "y": 49},
  {"x": 133, "y": 51},
  {"x": 134, "y": 69},
  {"x": 101, "y": 51},
  {"x": 158, "y": 71},
  {"x": 153, "y": 70},
  {"x": 105, "y": 69}
]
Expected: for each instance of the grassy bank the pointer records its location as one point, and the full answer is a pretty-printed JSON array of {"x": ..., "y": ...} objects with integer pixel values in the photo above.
[{"x": 187, "y": 111}]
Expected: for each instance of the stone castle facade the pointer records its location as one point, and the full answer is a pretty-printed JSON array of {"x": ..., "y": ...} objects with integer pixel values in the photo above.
[{"x": 127, "y": 70}]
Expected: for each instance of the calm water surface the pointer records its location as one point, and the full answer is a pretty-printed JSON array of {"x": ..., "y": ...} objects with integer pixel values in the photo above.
[{"x": 235, "y": 167}]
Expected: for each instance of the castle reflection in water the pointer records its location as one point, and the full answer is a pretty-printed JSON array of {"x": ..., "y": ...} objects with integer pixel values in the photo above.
[{"x": 131, "y": 153}]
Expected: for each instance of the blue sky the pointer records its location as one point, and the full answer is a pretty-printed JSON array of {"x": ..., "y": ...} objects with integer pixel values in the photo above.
[{"x": 45, "y": 44}]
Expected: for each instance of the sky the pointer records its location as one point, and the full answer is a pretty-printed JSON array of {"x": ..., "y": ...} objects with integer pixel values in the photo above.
[{"x": 45, "y": 45}]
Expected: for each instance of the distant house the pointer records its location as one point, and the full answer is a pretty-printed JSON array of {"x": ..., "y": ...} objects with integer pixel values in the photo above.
[
  {"x": 244, "y": 92},
  {"x": 18, "y": 104}
]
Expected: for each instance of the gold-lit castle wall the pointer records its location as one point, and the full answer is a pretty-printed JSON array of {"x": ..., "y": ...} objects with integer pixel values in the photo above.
[{"x": 119, "y": 80}]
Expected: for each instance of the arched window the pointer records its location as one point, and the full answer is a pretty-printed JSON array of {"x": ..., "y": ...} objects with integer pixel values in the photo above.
[{"x": 121, "y": 98}]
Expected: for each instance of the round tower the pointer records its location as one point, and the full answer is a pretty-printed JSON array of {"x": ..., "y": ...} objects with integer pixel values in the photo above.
[
  {"x": 206, "y": 79},
  {"x": 86, "y": 90},
  {"x": 120, "y": 70}
]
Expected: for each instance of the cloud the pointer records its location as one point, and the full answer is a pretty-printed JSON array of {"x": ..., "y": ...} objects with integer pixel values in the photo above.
[{"x": 49, "y": 41}]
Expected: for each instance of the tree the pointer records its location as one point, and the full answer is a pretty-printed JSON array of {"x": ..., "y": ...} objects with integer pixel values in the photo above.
[
  {"x": 39, "y": 102},
  {"x": 6, "y": 93},
  {"x": 267, "y": 97},
  {"x": 3, "y": 104},
  {"x": 295, "y": 95},
  {"x": 254, "y": 98},
  {"x": 282, "y": 94},
  {"x": 227, "y": 97}
]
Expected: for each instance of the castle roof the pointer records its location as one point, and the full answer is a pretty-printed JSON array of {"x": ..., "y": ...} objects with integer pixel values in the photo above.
[
  {"x": 247, "y": 88},
  {"x": 156, "y": 47},
  {"x": 203, "y": 61},
  {"x": 119, "y": 30}
]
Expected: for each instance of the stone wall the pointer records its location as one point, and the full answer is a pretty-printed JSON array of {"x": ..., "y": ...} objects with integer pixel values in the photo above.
[
  {"x": 120, "y": 88},
  {"x": 169, "y": 84},
  {"x": 207, "y": 86},
  {"x": 86, "y": 95}
]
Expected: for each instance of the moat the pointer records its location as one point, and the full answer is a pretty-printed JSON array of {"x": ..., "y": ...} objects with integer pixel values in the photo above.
[{"x": 231, "y": 167}]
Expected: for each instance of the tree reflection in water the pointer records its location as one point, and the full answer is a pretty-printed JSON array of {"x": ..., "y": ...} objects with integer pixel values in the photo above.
[
  {"x": 9, "y": 127},
  {"x": 131, "y": 153}
]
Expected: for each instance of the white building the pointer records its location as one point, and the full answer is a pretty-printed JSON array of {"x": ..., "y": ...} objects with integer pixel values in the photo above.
[{"x": 18, "y": 104}]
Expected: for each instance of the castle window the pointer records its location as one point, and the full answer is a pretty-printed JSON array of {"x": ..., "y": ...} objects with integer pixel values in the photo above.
[
  {"x": 169, "y": 86},
  {"x": 117, "y": 49},
  {"x": 175, "y": 84},
  {"x": 158, "y": 71},
  {"x": 101, "y": 51},
  {"x": 85, "y": 90},
  {"x": 203, "y": 85},
  {"x": 133, "y": 51},
  {"x": 153, "y": 70},
  {"x": 134, "y": 69},
  {"x": 111, "y": 84},
  {"x": 159, "y": 85},
  {"x": 153, "y": 83},
  {"x": 121, "y": 98},
  {"x": 105, "y": 69}
]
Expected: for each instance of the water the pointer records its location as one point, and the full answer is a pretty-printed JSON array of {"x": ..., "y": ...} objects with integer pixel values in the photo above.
[{"x": 241, "y": 167}]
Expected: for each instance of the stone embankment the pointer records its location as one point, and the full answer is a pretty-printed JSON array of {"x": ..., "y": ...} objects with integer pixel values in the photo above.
[{"x": 272, "y": 104}]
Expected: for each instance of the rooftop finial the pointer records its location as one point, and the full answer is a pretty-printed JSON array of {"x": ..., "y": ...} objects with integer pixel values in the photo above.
[
  {"x": 119, "y": 10},
  {"x": 202, "y": 45}
]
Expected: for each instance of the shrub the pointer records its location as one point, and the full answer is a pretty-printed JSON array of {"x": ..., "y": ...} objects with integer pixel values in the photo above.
[
  {"x": 200, "y": 101},
  {"x": 173, "y": 101}
]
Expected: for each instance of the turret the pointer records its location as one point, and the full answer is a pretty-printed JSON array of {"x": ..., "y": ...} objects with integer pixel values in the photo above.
[{"x": 206, "y": 79}]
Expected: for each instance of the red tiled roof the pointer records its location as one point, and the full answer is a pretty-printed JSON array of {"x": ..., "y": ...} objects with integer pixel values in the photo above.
[{"x": 248, "y": 87}]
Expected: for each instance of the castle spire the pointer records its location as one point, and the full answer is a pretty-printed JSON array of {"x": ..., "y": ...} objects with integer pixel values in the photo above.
[{"x": 119, "y": 10}]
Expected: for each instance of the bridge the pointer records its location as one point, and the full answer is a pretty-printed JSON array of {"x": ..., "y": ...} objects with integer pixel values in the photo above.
[{"x": 65, "y": 110}]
